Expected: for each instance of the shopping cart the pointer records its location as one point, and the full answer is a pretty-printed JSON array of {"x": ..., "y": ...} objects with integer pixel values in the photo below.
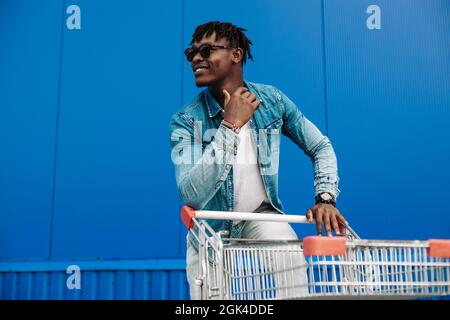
[{"x": 315, "y": 268}]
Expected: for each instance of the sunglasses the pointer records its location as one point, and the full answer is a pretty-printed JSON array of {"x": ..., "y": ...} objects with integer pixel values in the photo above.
[{"x": 204, "y": 49}]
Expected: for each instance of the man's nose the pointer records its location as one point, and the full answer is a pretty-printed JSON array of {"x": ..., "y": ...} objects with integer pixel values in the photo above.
[{"x": 197, "y": 58}]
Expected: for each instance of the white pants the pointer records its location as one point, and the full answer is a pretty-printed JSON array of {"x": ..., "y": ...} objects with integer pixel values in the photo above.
[{"x": 264, "y": 231}]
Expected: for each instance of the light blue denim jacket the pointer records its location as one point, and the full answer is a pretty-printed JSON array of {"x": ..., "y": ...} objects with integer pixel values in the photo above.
[{"x": 204, "y": 151}]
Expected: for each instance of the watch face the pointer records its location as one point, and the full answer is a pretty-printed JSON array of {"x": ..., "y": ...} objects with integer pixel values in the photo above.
[{"x": 325, "y": 196}]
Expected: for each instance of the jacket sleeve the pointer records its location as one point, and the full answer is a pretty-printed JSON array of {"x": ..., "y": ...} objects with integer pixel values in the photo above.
[
  {"x": 313, "y": 143},
  {"x": 200, "y": 173}
]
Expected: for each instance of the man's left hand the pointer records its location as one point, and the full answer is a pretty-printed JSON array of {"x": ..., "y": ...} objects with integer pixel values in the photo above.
[{"x": 326, "y": 215}]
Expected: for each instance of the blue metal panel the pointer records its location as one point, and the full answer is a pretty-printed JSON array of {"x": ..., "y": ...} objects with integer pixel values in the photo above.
[
  {"x": 140, "y": 284},
  {"x": 177, "y": 279},
  {"x": 124, "y": 284},
  {"x": 106, "y": 285},
  {"x": 384, "y": 92},
  {"x": 142, "y": 281},
  {"x": 115, "y": 186},
  {"x": 8, "y": 285},
  {"x": 30, "y": 33},
  {"x": 287, "y": 49},
  {"x": 25, "y": 286},
  {"x": 106, "y": 280},
  {"x": 40, "y": 285},
  {"x": 40, "y": 266},
  {"x": 90, "y": 280},
  {"x": 388, "y": 101},
  {"x": 57, "y": 285}
]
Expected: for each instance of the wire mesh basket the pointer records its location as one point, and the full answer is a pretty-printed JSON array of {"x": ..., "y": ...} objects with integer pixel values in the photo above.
[{"x": 315, "y": 268}]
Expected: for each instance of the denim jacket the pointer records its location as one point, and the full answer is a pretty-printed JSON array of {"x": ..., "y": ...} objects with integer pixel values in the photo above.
[{"x": 204, "y": 150}]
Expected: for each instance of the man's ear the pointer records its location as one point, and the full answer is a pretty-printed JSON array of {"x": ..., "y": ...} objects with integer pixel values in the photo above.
[{"x": 237, "y": 55}]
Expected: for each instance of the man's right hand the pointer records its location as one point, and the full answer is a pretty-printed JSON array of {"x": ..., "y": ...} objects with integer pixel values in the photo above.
[{"x": 239, "y": 107}]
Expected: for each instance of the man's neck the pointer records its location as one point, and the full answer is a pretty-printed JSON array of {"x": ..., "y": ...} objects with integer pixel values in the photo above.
[{"x": 228, "y": 84}]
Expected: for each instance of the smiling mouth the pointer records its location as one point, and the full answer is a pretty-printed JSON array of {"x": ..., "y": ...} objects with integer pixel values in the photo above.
[{"x": 200, "y": 70}]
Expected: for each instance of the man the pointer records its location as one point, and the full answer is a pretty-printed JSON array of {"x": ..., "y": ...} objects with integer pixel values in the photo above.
[{"x": 225, "y": 144}]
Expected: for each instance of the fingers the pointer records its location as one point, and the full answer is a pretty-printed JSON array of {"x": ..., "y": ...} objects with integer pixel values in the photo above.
[
  {"x": 335, "y": 224},
  {"x": 243, "y": 92},
  {"x": 239, "y": 91},
  {"x": 326, "y": 221},
  {"x": 319, "y": 223},
  {"x": 227, "y": 96},
  {"x": 255, "y": 103},
  {"x": 309, "y": 216},
  {"x": 341, "y": 222},
  {"x": 341, "y": 218},
  {"x": 246, "y": 94},
  {"x": 251, "y": 97},
  {"x": 327, "y": 217}
]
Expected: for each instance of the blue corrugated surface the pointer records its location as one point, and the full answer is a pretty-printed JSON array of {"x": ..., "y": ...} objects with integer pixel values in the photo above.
[
  {"x": 30, "y": 34},
  {"x": 85, "y": 170},
  {"x": 119, "y": 86},
  {"x": 106, "y": 280},
  {"x": 389, "y": 112}
]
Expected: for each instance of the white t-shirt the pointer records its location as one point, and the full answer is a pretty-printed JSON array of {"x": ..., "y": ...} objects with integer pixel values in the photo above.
[{"x": 249, "y": 190}]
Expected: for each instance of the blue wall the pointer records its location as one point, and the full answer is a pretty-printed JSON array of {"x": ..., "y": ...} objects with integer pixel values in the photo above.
[{"x": 85, "y": 169}]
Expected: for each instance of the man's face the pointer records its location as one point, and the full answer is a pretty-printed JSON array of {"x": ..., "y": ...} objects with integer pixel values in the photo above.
[{"x": 216, "y": 67}]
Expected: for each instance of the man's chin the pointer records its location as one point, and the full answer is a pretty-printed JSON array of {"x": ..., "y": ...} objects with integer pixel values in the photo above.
[
  {"x": 200, "y": 84},
  {"x": 203, "y": 82}
]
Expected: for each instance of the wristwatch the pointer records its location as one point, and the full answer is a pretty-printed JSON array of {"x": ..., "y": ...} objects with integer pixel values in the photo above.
[{"x": 325, "y": 197}]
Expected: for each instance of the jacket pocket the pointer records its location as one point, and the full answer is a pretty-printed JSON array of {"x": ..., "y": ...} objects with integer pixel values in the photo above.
[{"x": 272, "y": 134}]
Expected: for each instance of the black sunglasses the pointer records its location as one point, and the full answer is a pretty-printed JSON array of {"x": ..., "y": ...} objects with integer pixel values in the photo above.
[{"x": 204, "y": 49}]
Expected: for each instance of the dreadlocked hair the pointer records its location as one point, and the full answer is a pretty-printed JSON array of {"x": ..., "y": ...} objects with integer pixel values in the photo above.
[{"x": 235, "y": 36}]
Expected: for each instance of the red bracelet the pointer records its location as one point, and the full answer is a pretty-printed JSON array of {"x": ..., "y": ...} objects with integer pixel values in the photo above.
[{"x": 231, "y": 126}]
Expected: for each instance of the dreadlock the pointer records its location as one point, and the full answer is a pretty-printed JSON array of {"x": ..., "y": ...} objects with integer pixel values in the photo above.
[{"x": 235, "y": 36}]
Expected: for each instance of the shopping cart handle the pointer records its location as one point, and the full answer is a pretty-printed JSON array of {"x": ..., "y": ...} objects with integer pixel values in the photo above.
[{"x": 187, "y": 214}]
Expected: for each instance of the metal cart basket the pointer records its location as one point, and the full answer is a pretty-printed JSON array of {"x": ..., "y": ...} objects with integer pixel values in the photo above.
[{"x": 315, "y": 268}]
